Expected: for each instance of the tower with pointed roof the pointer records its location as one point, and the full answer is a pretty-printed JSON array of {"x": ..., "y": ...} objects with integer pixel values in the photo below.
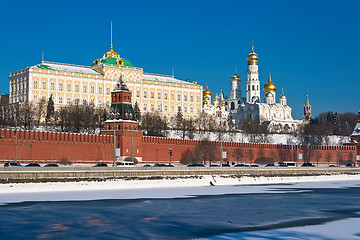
[
  {"x": 121, "y": 122},
  {"x": 307, "y": 109}
]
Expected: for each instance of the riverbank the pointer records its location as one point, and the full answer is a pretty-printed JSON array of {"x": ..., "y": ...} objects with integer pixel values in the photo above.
[{"x": 53, "y": 175}]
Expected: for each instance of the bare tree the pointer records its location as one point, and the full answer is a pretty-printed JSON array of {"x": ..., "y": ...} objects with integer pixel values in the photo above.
[
  {"x": 238, "y": 154},
  {"x": 25, "y": 115},
  {"x": 40, "y": 110},
  {"x": 154, "y": 124},
  {"x": 317, "y": 155}
]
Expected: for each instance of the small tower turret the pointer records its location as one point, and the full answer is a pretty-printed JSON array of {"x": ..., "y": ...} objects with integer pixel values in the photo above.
[
  {"x": 235, "y": 91},
  {"x": 307, "y": 109},
  {"x": 282, "y": 98}
]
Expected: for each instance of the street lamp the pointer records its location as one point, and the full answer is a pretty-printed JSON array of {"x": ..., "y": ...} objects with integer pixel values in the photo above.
[{"x": 170, "y": 154}]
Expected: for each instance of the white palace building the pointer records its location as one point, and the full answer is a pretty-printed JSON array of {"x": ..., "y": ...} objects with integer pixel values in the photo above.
[{"x": 277, "y": 115}]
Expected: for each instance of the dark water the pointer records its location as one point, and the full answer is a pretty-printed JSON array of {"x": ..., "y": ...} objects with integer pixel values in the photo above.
[{"x": 209, "y": 217}]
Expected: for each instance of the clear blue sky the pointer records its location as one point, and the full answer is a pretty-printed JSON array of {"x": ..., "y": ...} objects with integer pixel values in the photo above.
[{"x": 309, "y": 46}]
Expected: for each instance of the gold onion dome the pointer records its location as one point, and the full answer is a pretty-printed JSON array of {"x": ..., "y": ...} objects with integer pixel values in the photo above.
[
  {"x": 207, "y": 92},
  {"x": 111, "y": 53},
  {"x": 206, "y": 98},
  {"x": 216, "y": 100},
  {"x": 235, "y": 78},
  {"x": 252, "y": 57},
  {"x": 270, "y": 86},
  {"x": 222, "y": 104}
]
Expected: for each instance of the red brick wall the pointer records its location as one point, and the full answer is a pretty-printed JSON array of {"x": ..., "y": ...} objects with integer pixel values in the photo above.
[
  {"x": 48, "y": 147},
  {"x": 152, "y": 144}
]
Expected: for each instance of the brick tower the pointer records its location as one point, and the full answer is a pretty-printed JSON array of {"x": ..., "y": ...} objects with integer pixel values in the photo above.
[{"x": 122, "y": 124}]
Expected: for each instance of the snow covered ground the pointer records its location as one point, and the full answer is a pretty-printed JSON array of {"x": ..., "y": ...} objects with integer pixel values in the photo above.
[
  {"x": 168, "y": 188},
  {"x": 241, "y": 137}
]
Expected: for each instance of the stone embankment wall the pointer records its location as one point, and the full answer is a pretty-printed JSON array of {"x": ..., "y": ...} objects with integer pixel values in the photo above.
[{"x": 22, "y": 175}]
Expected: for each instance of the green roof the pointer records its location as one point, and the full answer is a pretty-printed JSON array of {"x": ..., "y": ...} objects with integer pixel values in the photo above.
[{"x": 112, "y": 61}]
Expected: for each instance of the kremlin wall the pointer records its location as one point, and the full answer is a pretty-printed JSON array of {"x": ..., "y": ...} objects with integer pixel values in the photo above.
[{"x": 50, "y": 147}]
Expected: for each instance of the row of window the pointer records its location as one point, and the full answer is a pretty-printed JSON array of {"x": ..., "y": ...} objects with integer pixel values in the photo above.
[
  {"x": 172, "y": 96},
  {"x": 85, "y": 89},
  {"x": 17, "y": 87},
  {"x": 165, "y": 109},
  {"x": 61, "y": 101},
  {"x": 76, "y": 87}
]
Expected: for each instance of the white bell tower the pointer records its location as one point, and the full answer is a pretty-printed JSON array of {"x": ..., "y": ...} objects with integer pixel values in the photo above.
[{"x": 252, "y": 82}]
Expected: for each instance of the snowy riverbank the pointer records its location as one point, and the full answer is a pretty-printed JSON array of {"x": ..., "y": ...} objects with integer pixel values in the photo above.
[{"x": 133, "y": 189}]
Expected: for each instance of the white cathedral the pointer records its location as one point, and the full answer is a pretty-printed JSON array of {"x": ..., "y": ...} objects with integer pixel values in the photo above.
[{"x": 277, "y": 116}]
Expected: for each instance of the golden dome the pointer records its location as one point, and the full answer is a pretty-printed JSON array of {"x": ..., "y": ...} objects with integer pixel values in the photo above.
[
  {"x": 270, "y": 86},
  {"x": 206, "y": 98},
  {"x": 111, "y": 53},
  {"x": 222, "y": 104},
  {"x": 207, "y": 92},
  {"x": 216, "y": 100},
  {"x": 235, "y": 78},
  {"x": 253, "y": 57}
]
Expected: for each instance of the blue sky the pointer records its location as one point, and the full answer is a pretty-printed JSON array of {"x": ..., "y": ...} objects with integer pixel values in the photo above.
[{"x": 309, "y": 46}]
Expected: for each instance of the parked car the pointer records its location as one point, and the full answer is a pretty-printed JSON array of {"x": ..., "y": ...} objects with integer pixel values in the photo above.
[
  {"x": 350, "y": 165},
  {"x": 195, "y": 165},
  {"x": 12, "y": 164},
  {"x": 241, "y": 165},
  {"x": 332, "y": 165},
  {"x": 169, "y": 165},
  {"x": 270, "y": 165},
  {"x": 33, "y": 165},
  {"x": 308, "y": 164},
  {"x": 287, "y": 164},
  {"x": 159, "y": 165},
  {"x": 101, "y": 165},
  {"x": 254, "y": 165},
  {"x": 125, "y": 164},
  {"x": 225, "y": 165},
  {"x": 147, "y": 165},
  {"x": 214, "y": 165},
  {"x": 51, "y": 165}
]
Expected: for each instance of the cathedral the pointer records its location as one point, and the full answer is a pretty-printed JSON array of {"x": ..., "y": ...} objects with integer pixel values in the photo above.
[{"x": 277, "y": 115}]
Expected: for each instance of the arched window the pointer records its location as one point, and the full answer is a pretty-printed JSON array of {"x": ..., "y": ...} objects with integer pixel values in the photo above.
[{"x": 232, "y": 106}]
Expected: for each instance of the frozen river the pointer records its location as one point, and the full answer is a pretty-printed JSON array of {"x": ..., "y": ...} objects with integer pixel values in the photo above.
[{"x": 319, "y": 210}]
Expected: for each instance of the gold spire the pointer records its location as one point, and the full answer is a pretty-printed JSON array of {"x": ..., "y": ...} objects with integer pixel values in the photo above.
[
  {"x": 270, "y": 86},
  {"x": 111, "y": 53}
]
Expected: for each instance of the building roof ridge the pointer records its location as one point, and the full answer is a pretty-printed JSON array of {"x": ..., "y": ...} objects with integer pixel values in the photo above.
[
  {"x": 157, "y": 74},
  {"x": 65, "y": 64}
]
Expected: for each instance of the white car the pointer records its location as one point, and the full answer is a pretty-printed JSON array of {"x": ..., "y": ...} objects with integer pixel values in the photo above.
[{"x": 125, "y": 164}]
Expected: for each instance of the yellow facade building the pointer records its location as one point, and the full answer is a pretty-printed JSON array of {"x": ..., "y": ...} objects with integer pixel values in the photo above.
[{"x": 73, "y": 84}]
